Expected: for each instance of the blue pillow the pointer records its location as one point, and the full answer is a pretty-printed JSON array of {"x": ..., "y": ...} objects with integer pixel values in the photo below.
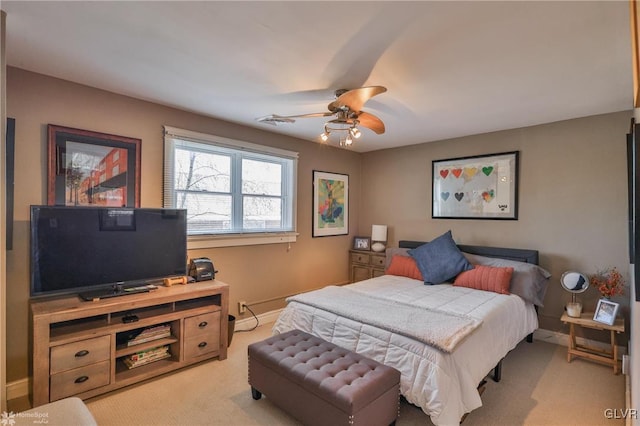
[{"x": 440, "y": 260}]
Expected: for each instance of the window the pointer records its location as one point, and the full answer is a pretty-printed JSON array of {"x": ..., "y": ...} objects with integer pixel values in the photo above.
[{"x": 235, "y": 192}]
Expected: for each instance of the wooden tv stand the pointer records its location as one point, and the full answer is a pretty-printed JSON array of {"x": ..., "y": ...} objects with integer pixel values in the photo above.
[{"x": 78, "y": 347}]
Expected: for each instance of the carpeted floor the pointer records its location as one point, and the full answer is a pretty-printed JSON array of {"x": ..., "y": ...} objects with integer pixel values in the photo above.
[{"x": 538, "y": 387}]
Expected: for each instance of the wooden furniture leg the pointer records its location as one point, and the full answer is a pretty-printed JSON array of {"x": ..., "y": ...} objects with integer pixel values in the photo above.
[
  {"x": 572, "y": 341},
  {"x": 614, "y": 351}
]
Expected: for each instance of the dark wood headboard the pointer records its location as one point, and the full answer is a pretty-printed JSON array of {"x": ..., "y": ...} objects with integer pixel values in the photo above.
[{"x": 520, "y": 255}]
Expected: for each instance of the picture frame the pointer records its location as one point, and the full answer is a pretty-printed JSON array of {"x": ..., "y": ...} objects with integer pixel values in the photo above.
[
  {"x": 477, "y": 187},
  {"x": 87, "y": 168},
  {"x": 362, "y": 243},
  {"x": 606, "y": 311},
  {"x": 330, "y": 204}
]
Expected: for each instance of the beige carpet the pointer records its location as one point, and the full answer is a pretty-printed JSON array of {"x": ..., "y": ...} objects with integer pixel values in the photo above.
[{"x": 538, "y": 387}]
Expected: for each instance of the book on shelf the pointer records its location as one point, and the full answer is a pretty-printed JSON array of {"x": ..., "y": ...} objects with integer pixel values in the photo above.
[
  {"x": 149, "y": 334},
  {"x": 145, "y": 357}
]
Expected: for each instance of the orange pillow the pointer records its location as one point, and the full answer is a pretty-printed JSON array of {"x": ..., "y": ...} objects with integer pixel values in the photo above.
[
  {"x": 488, "y": 278},
  {"x": 404, "y": 266}
]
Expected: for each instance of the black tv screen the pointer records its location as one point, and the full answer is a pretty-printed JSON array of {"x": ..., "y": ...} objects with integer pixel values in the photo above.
[{"x": 80, "y": 249}]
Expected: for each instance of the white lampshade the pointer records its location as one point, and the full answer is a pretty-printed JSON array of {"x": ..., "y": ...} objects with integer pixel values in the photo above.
[
  {"x": 378, "y": 237},
  {"x": 379, "y": 233}
]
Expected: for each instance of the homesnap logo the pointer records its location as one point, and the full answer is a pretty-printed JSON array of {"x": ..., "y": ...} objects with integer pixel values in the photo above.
[{"x": 8, "y": 419}]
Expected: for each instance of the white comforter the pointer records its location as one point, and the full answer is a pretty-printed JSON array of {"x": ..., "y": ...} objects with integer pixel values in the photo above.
[{"x": 443, "y": 385}]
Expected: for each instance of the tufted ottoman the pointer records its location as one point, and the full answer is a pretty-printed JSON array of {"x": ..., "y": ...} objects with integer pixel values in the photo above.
[{"x": 320, "y": 383}]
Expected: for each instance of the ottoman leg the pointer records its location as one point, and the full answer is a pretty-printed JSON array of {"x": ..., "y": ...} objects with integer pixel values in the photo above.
[{"x": 255, "y": 393}]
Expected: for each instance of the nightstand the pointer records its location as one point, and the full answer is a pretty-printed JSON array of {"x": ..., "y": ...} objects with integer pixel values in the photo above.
[
  {"x": 594, "y": 354},
  {"x": 365, "y": 264}
]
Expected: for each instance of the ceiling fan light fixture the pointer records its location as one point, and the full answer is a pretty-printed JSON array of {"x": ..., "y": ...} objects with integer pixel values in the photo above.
[
  {"x": 346, "y": 141},
  {"x": 347, "y": 112}
]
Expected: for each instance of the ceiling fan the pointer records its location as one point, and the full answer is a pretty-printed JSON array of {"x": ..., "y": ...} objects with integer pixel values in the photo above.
[{"x": 347, "y": 109}]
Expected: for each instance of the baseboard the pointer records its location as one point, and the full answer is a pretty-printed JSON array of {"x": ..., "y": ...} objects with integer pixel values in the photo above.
[
  {"x": 562, "y": 339},
  {"x": 627, "y": 400},
  {"x": 18, "y": 389}
]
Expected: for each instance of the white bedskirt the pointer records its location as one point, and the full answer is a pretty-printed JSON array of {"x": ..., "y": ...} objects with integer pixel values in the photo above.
[{"x": 443, "y": 385}]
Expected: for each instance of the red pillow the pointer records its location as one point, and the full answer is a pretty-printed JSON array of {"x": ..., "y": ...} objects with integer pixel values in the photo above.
[
  {"x": 404, "y": 266},
  {"x": 488, "y": 278}
]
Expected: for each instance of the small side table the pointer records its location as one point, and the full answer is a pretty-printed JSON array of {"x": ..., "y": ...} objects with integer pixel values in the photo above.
[{"x": 594, "y": 354}]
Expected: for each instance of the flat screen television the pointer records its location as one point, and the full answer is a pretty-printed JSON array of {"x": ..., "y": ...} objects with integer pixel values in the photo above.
[{"x": 102, "y": 251}]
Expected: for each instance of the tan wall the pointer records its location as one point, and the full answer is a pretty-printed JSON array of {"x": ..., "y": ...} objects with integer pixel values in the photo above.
[
  {"x": 254, "y": 273},
  {"x": 573, "y": 198}
]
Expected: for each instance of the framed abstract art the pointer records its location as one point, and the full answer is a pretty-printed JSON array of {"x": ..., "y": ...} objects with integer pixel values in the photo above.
[
  {"x": 479, "y": 187},
  {"x": 330, "y": 204}
]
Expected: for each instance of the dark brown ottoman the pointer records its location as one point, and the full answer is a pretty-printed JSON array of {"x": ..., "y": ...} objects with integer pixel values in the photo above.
[{"x": 320, "y": 383}]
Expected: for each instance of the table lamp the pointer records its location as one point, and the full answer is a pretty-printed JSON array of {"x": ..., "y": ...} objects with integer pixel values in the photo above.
[
  {"x": 574, "y": 283},
  {"x": 378, "y": 237}
]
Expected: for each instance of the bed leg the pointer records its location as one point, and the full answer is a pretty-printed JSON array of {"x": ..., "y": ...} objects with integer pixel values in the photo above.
[
  {"x": 255, "y": 393},
  {"x": 530, "y": 338},
  {"x": 497, "y": 372}
]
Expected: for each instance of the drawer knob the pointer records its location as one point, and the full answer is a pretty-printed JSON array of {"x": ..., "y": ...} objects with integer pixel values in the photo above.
[
  {"x": 82, "y": 353},
  {"x": 202, "y": 344},
  {"x": 81, "y": 379},
  {"x": 203, "y": 324}
]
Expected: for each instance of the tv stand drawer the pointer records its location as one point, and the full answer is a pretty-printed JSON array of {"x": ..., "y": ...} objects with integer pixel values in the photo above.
[
  {"x": 78, "y": 354},
  {"x": 201, "y": 335},
  {"x": 79, "y": 380},
  {"x": 205, "y": 324}
]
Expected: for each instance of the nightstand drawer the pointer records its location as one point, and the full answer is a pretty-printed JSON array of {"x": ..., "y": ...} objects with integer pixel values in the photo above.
[
  {"x": 378, "y": 260},
  {"x": 79, "y": 380},
  {"x": 78, "y": 354},
  {"x": 360, "y": 258},
  {"x": 377, "y": 273}
]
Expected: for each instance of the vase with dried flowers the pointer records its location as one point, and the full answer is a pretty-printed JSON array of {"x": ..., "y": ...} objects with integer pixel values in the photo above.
[{"x": 609, "y": 282}]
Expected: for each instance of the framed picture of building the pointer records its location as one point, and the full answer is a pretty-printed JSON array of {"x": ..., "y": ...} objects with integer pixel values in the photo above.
[{"x": 87, "y": 168}]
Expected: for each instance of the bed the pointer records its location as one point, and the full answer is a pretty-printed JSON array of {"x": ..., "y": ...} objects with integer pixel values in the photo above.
[{"x": 438, "y": 374}]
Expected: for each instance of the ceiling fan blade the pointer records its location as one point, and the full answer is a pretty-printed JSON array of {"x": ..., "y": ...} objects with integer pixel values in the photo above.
[
  {"x": 314, "y": 114},
  {"x": 354, "y": 99},
  {"x": 372, "y": 122},
  {"x": 275, "y": 119}
]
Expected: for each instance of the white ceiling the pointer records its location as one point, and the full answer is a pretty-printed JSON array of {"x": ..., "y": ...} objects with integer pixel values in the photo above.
[{"x": 451, "y": 68}]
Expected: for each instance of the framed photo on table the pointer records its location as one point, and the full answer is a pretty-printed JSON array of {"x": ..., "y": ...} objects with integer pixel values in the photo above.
[
  {"x": 478, "y": 187},
  {"x": 330, "y": 204},
  {"x": 606, "y": 311},
  {"x": 88, "y": 168},
  {"x": 362, "y": 243}
]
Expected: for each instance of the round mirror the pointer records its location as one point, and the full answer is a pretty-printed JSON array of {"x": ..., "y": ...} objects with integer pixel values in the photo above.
[{"x": 574, "y": 282}]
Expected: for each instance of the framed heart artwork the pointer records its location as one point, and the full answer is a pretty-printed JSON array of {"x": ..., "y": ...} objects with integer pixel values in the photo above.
[{"x": 478, "y": 187}]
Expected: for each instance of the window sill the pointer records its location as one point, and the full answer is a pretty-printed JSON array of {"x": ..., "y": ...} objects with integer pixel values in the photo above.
[{"x": 232, "y": 240}]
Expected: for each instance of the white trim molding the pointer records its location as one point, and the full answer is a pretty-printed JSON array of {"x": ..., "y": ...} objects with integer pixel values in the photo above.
[{"x": 562, "y": 339}]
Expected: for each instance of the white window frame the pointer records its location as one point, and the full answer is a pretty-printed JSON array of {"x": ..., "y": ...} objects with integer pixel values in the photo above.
[{"x": 253, "y": 237}]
